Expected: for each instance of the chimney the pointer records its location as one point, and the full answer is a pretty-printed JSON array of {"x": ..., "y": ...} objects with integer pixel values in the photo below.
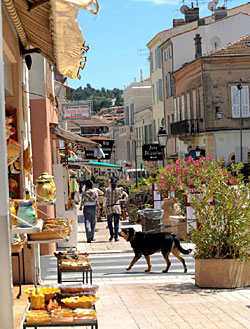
[
  {"x": 191, "y": 14},
  {"x": 178, "y": 22},
  {"x": 198, "y": 50},
  {"x": 220, "y": 12}
]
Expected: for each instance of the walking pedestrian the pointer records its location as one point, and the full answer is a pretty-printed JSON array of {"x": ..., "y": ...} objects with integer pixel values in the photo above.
[
  {"x": 113, "y": 195},
  {"x": 89, "y": 203}
]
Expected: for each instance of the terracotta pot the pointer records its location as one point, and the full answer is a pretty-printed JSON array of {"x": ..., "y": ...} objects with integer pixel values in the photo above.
[{"x": 222, "y": 273}]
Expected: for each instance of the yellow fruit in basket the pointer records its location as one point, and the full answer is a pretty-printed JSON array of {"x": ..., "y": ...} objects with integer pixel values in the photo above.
[
  {"x": 48, "y": 292},
  {"x": 80, "y": 302},
  {"x": 37, "y": 300}
]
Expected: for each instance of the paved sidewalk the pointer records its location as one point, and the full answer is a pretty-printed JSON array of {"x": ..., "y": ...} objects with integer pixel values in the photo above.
[{"x": 172, "y": 302}]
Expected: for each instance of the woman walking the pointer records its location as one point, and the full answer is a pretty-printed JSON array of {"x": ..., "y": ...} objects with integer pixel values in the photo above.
[
  {"x": 89, "y": 201},
  {"x": 113, "y": 194}
]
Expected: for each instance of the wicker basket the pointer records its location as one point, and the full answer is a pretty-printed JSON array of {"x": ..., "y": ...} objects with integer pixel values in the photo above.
[
  {"x": 53, "y": 230},
  {"x": 50, "y": 235}
]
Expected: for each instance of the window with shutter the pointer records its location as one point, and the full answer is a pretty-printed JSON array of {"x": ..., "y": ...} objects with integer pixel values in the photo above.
[
  {"x": 153, "y": 92},
  {"x": 178, "y": 108},
  {"x": 160, "y": 90},
  {"x": 188, "y": 107},
  {"x": 175, "y": 111},
  {"x": 182, "y": 107},
  {"x": 245, "y": 101},
  {"x": 126, "y": 115},
  {"x": 157, "y": 91},
  {"x": 156, "y": 60},
  {"x": 170, "y": 51},
  {"x": 194, "y": 104},
  {"x": 159, "y": 57},
  {"x": 201, "y": 103},
  {"x": 235, "y": 102},
  {"x": 132, "y": 115},
  {"x": 168, "y": 84}
]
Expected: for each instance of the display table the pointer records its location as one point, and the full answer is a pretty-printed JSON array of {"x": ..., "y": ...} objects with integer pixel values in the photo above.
[
  {"x": 86, "y": 274},
  {"x": 18, "y": 254},
  {"x": 36, "y": 253},
  {"x": 93, "y": 324}
]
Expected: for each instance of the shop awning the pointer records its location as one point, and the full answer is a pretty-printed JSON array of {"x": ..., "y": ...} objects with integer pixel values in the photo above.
[
  {"x": 52, "y": 26},
  {"x": 93, "y": 164},
  {"x": 74, "y": 138}
]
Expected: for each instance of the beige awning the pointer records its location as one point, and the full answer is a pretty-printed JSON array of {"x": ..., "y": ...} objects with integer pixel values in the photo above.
[
  {"x": 74, "y": 138},
  {"x": 52, "y": 26}
]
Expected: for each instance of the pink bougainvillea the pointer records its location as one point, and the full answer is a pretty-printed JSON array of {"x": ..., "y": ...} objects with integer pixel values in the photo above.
[{"x": 182, "y": 174}]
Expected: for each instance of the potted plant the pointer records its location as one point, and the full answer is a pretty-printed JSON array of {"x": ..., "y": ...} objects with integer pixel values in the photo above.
[{"x": 223, "y": 211}]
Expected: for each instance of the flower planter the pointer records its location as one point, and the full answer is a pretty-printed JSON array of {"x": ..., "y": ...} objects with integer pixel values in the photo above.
[{"x": 222, "y": 273}]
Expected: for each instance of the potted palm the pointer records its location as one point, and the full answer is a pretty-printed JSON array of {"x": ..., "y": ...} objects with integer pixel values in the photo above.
[{"x": 223, "y": 210}]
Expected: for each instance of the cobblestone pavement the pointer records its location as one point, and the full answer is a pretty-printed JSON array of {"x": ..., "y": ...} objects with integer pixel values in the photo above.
[{"x": 162, "y": 302}]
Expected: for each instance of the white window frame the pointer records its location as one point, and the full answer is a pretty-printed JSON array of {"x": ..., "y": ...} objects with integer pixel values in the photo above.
[
  {"x": 175, "y": 110},
  {"x": 183, "y": 107},
  {"x": 235, "y": 102},
  {"x": 178, "y": 109},
  {"x": 194, "y": 101},
  {"x": 188, "y": 107}
]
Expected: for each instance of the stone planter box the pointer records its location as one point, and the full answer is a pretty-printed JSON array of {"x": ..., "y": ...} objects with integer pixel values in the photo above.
[{"x": 222, "y": 273}]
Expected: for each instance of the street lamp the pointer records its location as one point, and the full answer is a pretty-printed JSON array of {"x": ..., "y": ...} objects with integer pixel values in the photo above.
[
  {"x": 239, "y": 86},
  {"x": 162, "y": 139}
]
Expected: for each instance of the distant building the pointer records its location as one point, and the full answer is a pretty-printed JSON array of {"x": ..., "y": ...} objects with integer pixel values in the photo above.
[
  {"x": 172, "y": 48},
  {"x": 215, "y": 97},
  {"x": 112, "y": 113},
  {"x": 137, "y": 96},
  {"x": 96, "y": 126}
]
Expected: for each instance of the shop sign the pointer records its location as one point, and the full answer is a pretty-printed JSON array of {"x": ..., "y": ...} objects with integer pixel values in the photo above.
[
  {"x": 76, "y": 110},
  {"x": 151, "y": 152},
  {"x": 70, "y": 166},
  {"x": 107, "y": 146}
]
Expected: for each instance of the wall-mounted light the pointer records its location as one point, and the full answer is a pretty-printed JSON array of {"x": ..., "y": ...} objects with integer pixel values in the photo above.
[{"x": 218, "y": 112}]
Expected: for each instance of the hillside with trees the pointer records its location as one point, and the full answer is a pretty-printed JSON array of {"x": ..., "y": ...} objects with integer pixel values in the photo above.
[{"x": 101, "y": 98}]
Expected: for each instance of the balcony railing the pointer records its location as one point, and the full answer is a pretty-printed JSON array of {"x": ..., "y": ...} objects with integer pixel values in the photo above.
[{"x": 185, "y": 127}]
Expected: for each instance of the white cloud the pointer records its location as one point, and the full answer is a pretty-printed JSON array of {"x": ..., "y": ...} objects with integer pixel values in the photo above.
[{"x": 160, "y": 2}]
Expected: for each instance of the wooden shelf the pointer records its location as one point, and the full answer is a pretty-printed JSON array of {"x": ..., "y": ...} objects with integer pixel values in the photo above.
[
  {"x": 46, "y": 203},
  {"x": 26, "y": 230},
  {"x": 46, "y": 241}
]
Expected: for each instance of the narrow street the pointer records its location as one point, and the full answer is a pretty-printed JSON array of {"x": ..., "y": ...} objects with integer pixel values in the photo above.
[
  {"x": 139, "y": 300},
  {"x": 107, "y": 266}
]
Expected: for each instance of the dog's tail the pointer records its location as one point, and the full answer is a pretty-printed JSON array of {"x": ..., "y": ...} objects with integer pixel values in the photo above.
[{"x": 178, "y": 245}]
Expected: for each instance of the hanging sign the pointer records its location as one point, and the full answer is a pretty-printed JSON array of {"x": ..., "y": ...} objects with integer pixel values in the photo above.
[
  {"x": 76, "y": 110},
  {"x": 107, "y": 146},
  {"x": 151, "y": 152}
]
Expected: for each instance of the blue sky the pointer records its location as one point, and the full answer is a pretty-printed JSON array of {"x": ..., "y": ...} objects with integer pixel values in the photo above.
[{"x": 117, "y": 38}]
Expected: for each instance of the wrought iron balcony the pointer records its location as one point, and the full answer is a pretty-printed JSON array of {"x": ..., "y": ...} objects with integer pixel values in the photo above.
[{"x": 185, "y": 127}]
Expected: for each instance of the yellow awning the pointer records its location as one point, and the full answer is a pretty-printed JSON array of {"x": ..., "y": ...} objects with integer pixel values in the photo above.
[{"x": 52, "y": 26}]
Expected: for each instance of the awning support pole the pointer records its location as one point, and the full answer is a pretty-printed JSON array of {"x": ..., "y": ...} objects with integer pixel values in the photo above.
[{"x": 6, "y": 302}]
